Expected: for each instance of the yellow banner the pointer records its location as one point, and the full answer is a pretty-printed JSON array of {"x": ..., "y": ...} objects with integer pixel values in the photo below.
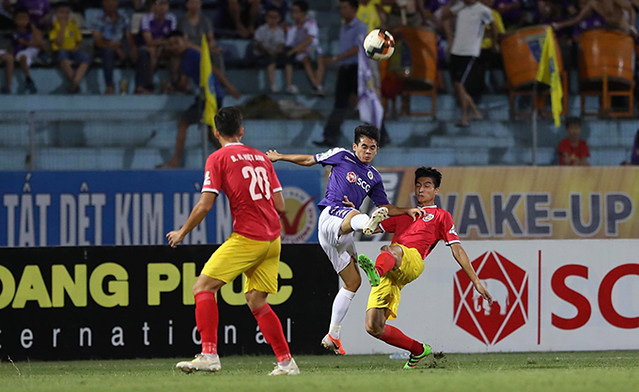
[{"x": 531, "y": 203}]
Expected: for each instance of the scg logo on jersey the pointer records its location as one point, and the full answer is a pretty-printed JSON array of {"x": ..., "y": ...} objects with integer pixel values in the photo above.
[{"x": 351, "y": 177}]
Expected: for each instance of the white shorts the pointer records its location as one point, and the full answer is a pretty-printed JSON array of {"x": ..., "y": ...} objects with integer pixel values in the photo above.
[
  {"x": 338, "y": 248},
  {"x": 29, "y": 53}
]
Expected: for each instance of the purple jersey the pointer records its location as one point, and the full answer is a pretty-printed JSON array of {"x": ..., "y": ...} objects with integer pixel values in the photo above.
[
  {"x": 434, "y": 5},
  {"x": 37, "y": 9},
  {"x": 158, "y": 29},
  {"x": 352, "y": 178},
  {"x": 17, "y": 46}
]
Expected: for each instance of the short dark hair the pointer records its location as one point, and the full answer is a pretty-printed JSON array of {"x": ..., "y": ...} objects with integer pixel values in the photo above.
[
  {"x": 353, "y": 3},
  {"x": 228, "y": 121},
  {"x": 430, "y": 172},
  {"x": 366, "y": 130},
  {"x": 301, "y": 4},
  {"x": 62, "y": 4},
  {"x": 20, "y": 10},
  {"x": 570, "y": 121}
]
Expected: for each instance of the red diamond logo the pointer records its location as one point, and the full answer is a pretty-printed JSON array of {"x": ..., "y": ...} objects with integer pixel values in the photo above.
[
  {"x": 508, "y": 285},
  {"x": 351, "y": 177}
]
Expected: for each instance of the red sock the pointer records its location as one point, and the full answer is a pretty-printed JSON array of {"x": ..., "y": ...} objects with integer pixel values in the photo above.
[
  {"x": 395, "y": 337},
  {"x": 385, "y": 262},
  {"x": 207, "y": 319},
  {"x": 271, "y": 328}
]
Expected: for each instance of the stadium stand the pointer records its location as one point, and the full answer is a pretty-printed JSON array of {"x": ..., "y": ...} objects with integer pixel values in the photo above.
[{"x": 92, "y": 131}]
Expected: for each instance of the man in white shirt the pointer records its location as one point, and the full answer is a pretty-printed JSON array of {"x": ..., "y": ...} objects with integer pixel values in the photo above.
[{"x": 472, "y": 18}]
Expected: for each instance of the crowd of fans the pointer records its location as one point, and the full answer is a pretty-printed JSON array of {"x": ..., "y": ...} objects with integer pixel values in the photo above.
[
  {"x": 146, "y": 35},
  {"x": 283, "y": 33}
]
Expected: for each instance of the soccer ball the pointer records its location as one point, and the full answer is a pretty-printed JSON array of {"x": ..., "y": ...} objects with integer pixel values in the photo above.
[{"x": 379, "y": 44}]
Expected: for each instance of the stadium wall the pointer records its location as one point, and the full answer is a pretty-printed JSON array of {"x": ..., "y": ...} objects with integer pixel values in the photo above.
[{"x": 550, "y": 295}]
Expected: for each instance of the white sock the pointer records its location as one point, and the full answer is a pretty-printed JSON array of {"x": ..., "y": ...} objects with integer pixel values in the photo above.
[
  {"x": 359, "y": 221},
  {"x": 340, "y": 307}
]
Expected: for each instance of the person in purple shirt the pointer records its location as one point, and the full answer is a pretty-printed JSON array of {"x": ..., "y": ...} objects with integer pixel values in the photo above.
[
  {"x": 154, "y": 30},
  {"x": 351, "y": 35},
  {"x": 39, "y": 12},
  {"x": 352, "y": 178},
  {"x": 510, "y": 11}
]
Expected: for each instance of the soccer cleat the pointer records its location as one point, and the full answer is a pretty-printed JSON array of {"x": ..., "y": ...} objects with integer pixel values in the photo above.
[
  {"x": 289, "y": 370},
  {"x": 333, "y": 344},
  {"x": 369, "y": 267},
  {"x": 201, "y": 363},
  {"x": 376, "y": 218},
  {"x": 413, "y": 360}
]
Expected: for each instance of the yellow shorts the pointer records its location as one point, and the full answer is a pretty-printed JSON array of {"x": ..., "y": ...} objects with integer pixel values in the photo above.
[
  {"x": 258, "y": 260},
  {"x": 387, "y": 294}
]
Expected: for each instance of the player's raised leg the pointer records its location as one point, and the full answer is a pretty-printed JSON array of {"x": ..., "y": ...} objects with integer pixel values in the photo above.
[
  {"x": 207, "y": 320},
  {"x": 357, "y": 221},
  {"x": 389, "y": 258}
]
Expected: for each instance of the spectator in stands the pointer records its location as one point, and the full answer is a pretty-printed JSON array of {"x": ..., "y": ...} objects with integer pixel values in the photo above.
[
  {"x": 244, "y": 14},
  {"x": 302, "y": 46},
  {"x": 572, "y": 150},
  {"x": 371, "y": 13},
  {"x": 268, "y": 45},
  {"x": 27, "y": 42},
  {"x": 351, "y": 36},
  {"x": 510, "y": 11},
  {"x": 281, "y": 6},
  {"x": 66, "y": 42},
  {"x": 39, "y": 12},
  {"x": 616, "y": 13},
  {"x": 490, "y": 58},
  {"x": 110, "y": 27},
  {"x": 190, "y": 69},
  {"x": 410, "y": 13},
  {"x": 154, "y": 30},
  {"x": 472, "y": 17},
  {"x": 194, "y": 24}
]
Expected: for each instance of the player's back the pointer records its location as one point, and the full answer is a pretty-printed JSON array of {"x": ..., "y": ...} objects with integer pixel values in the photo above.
[{"x": 247, "y": 178}]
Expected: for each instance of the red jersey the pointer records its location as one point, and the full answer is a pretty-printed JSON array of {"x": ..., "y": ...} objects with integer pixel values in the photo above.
[
  {"x": 581, "y": 151},
  {"x": 247, "y": 178},
  {"x": 424, "y": 233}
]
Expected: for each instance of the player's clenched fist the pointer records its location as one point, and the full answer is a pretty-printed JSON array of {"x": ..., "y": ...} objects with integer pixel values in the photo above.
[
  {"x": 175, "y": 237},
  {"x": 273, "y": 155}
]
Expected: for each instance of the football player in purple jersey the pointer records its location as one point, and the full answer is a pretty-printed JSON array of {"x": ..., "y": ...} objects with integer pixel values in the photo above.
[{"x": 352, "y": 178}]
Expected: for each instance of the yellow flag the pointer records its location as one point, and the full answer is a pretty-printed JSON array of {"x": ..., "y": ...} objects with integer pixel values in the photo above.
[
  {"x": 210, "y": 106},
  {"x": 548, "y": 73}
]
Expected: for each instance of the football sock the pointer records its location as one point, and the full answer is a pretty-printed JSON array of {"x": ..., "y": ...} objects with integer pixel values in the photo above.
[
  {"x": 207, "y": 319},
  {"x": 384, "y": 262},
  {"x": 341, "y": 304},
  {"x": 395, "y": 337},
  {"x": 271, "y": 328},
  {"x": 359, "y": 221}
]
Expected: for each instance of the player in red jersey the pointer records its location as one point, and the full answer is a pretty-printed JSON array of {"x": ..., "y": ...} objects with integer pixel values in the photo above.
[
  {"x": 403, "y": 261},
  {"x": 248, "y": 179}
]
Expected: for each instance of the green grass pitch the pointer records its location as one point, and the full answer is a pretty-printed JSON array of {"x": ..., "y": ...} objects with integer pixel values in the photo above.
[{"x": 610, "y": 371}]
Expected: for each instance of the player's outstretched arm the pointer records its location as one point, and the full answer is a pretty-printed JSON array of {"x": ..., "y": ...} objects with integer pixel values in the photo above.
[
  {"x": 413, "y": 212},
  {"x": 464, "y": 262},
  {"x": 200, "y": 210},
  {"x": 299, "y": 159}
]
